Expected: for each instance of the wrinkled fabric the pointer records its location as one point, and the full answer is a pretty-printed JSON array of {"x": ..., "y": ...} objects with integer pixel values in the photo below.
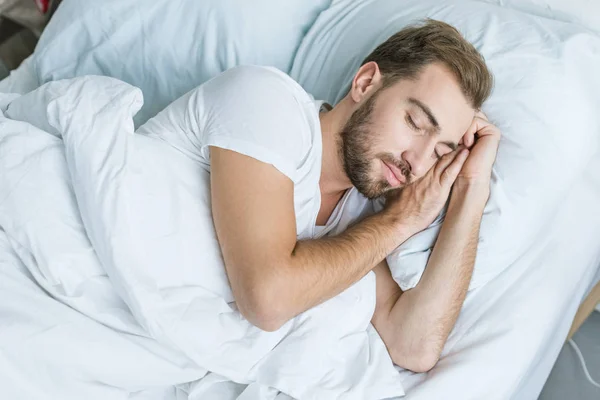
[{"x": 118, "y": 226}]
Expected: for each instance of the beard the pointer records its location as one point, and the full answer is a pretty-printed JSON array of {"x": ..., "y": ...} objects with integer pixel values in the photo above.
[{"x": 356, "y": 143}]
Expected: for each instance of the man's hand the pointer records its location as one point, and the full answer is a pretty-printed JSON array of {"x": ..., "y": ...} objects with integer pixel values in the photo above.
[
  {"x": 482, "y": 138},
  {"x": 419, "y": 203}
]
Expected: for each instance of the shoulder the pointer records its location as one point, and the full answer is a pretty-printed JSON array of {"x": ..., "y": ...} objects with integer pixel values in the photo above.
[
  {"x": 255, "y": 76},
  {"x": 261, "y": 108},
  {"x": 258, "y": 86}
]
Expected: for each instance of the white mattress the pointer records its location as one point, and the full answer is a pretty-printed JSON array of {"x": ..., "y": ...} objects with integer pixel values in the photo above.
[{"x": 518, "y": 322}]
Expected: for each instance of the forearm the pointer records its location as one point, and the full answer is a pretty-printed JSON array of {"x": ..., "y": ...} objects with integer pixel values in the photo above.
[
  {"x": 424, "y": 316},
  {"x": 320, "y": 269}
]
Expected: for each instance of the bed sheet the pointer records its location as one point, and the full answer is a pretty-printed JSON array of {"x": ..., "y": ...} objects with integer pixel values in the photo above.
[{"x": 510, "y": 331}]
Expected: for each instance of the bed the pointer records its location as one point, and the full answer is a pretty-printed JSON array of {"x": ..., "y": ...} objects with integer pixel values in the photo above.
[{"x": 505, "y": 343}]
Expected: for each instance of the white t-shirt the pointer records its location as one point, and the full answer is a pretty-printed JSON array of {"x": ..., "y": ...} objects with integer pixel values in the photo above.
[{"x": 264, "y": 114}]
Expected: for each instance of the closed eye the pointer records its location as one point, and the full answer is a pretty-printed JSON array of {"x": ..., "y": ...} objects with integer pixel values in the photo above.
[{"x": 411, "y": 122}]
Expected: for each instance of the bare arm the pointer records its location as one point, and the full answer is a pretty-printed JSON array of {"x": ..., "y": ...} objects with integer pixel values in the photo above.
[
  {"x": 415, "y": 324},
  {"x": 273, "y": 276}
]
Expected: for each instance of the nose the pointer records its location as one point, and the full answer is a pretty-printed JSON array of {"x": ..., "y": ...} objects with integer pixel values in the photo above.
[{"x": 419, "y": 157}]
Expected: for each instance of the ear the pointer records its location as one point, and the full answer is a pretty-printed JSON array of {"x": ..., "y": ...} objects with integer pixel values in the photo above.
[{"x": 365, "y": 82}]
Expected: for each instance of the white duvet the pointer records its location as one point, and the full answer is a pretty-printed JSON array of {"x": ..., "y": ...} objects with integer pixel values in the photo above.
[{"x": 117, "y": 226}]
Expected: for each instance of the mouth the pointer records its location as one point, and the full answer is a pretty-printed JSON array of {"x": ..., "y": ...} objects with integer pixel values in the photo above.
[{"x": 393, "y": 175}]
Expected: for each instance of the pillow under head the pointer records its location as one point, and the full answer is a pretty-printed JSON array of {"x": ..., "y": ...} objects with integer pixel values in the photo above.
[{"x": 545, "y": 101}]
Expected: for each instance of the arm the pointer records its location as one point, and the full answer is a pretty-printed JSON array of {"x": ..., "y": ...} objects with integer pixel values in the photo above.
[
  {"x": 415, "y": 324},
  {"x": 273, "y": 276}
]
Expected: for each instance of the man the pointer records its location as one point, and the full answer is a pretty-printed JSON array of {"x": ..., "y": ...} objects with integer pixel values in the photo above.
[{"x": 409, "y": 129}]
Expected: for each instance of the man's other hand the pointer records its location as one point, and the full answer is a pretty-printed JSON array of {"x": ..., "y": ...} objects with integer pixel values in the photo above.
[{"x": 482, "y": 138}]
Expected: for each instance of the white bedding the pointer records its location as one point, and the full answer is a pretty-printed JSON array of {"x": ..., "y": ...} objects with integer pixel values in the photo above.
[
  {"x": 161, "y": 46},
  {"x": 21, "y": 80},
  {"x": 584, "y": 12},
  {"x": 494, "y": 352}
]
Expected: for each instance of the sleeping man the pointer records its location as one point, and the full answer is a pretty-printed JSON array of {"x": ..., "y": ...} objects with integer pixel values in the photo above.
[{"x": 284, "y": 168}]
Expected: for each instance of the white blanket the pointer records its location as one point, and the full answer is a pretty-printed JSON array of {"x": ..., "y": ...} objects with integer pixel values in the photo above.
[{"x": 117, "y": 226}]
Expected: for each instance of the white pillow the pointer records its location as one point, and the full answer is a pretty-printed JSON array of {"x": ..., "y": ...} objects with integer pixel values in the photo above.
[
  {"x": 583, "y": 12},
  {"x": 166, "y": 47},
  {"x": 545, "y": 101}
]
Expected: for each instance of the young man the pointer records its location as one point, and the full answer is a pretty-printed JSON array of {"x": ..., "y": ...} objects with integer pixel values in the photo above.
[{"x": 282, "y": 167}]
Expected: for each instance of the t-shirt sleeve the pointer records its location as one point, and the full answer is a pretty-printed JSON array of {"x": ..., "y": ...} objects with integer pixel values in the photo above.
[{"x": 258, "y": 112}]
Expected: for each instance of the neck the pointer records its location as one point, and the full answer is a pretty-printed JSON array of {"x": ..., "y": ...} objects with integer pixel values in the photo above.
[{"x": 333, "y": 179}]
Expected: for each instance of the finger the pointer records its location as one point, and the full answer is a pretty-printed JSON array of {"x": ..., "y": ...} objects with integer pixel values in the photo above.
[
  {"x": 451, "y": 172},
  {"x": 479, "y": 127},
  {"x": 469, "y": 139},
  {"x": 469, "y": 136},
  {"x": 488, "y": 137},
  {"x": 444, "y": 162}
]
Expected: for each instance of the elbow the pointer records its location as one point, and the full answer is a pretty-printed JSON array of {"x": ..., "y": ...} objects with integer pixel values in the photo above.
[
  {"x": 262, "y": 306},
  {"x": 265, "y": 319},
  {"x": 419, "y": 359}
]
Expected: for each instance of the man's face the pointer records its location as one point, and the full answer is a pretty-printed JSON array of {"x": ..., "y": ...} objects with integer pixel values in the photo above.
[{"x": 399, "y": 132}]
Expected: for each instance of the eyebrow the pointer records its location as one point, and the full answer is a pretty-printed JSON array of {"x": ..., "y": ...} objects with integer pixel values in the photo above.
[
  {"x": 426, "y": 110},
  {"x": 432, "y": 120}
]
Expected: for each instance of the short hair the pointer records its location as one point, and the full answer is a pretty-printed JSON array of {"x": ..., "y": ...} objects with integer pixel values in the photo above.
[{"x": 407, "y": 52}]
